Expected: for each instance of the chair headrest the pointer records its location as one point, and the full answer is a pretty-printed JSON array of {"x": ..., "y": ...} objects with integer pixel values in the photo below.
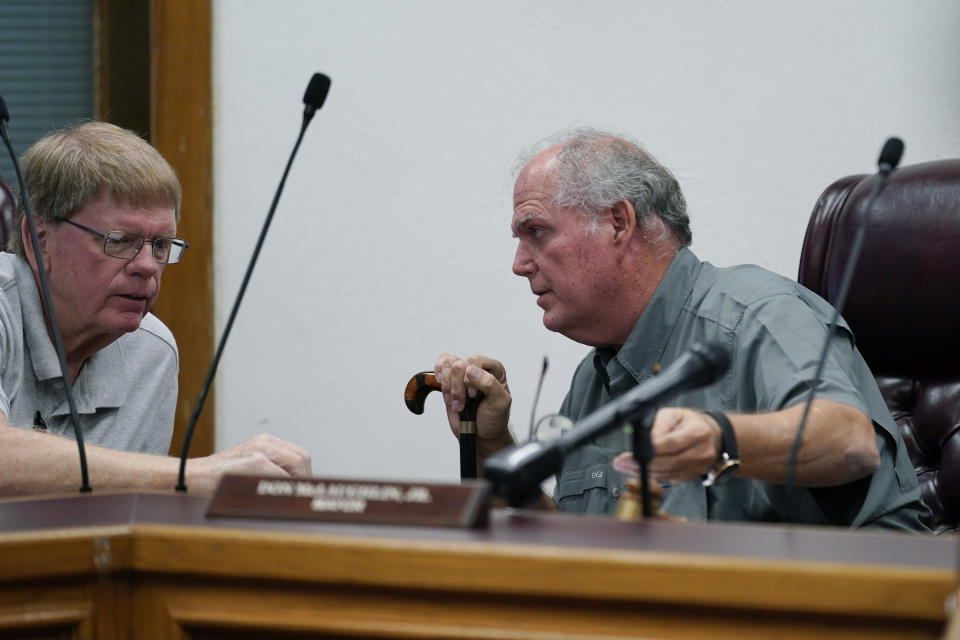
[{"x": 904, "y": 301}]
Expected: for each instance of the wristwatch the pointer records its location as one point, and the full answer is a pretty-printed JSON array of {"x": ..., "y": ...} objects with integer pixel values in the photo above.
[{"x": 729, "y": 461}]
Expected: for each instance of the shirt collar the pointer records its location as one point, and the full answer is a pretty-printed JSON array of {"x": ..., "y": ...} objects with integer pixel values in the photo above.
[
  {"x": 93, "y": 388},
  {"x": 647, "y": 341},
  {"x": 43, "y": 356}
]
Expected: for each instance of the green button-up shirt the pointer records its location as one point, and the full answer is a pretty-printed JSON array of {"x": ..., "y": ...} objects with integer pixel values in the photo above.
[{"x": 773, "y": 329}]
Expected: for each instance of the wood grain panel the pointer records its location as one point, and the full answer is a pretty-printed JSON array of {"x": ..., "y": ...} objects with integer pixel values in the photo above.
[
  {"x": 47, "y": 611},
  {"x": 121, "y": 75},
  {"x": 198, "y": 609},
  {"x": 525, "y": 571},
  {"x": 181, "y": 128}
]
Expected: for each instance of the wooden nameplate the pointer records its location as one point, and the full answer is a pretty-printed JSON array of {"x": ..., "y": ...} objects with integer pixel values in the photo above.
[{"x": 354, "y": 501}]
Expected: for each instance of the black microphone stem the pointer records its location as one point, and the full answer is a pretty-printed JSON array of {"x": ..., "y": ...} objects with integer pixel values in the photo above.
[
  {"x": 643, "y": 453},
  {"x": 514, "y": 471},
  {"x": 51, "y": 313},
  {"x": 191, "y": 427},
  {"x": 536, "y": 397},
  {"x": 840, "y": 302}
]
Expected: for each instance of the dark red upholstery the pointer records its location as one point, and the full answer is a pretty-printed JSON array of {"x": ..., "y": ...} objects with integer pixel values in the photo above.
[{"x": 904, "y": 307}]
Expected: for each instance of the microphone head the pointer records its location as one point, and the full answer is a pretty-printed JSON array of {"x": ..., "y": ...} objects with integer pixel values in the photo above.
[
  {"x": 715, "y": 359},
  {"x": 515, "y": 473},
  {"x": 890, "y": 155},
  {"x": 316, "y": 91}
]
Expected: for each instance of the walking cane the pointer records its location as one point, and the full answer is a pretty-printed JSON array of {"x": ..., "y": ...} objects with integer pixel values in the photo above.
[{"x": 416, "y": 392}]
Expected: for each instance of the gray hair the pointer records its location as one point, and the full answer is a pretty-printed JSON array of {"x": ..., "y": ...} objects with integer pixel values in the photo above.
[
  {"x": 594, "y": 169},
  {"x": 69, "y": 168}
]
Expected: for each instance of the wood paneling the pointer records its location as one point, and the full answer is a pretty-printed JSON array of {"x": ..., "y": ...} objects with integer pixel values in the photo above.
[
  {"x": 152, "y": 75},
  {"x": 181, "y": 128},
  {"x": 122, "y": 63}
]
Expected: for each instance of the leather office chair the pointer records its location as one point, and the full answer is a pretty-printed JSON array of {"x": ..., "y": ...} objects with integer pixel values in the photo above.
[
  {"x": 903, "y": 307},
  {"x": 7, "y": 205}
]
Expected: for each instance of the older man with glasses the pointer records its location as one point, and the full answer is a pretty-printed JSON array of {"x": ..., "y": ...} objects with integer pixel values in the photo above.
[{"x": 100, "y": 194}]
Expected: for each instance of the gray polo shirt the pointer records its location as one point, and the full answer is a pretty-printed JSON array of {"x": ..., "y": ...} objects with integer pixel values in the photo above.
[
  {"x": 126, "y": 394},
  {"x": 773, "y": 329}
]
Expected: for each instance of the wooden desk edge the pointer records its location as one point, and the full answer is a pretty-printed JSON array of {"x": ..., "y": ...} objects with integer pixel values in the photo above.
[
  {"x": 562, "y": 571},
  {"x": 481, "y": 568}
]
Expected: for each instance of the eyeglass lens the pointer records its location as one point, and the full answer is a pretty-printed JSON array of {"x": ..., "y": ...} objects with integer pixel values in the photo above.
[{"x": 127, "y": 245}]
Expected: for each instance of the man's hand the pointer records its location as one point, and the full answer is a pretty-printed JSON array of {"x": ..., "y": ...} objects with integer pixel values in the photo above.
[
  {"x": 463, "y": 378},
  {"x": 687, "y": 444},
  {"x": 262, "y": 455}
]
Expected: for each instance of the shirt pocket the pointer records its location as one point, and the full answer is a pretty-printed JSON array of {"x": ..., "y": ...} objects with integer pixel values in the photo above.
[{"x": 591, "y": 489}]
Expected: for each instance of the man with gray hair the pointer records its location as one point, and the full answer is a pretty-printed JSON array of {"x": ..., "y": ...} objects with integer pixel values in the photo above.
[
  {"x": 603, "y": 239},
  {"x": 107, "y": 206}
]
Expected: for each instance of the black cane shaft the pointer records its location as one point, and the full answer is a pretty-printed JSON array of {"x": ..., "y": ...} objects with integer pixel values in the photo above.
[
  {"x": 468, "y": 438},
  {"x": 468, "y": 451}
]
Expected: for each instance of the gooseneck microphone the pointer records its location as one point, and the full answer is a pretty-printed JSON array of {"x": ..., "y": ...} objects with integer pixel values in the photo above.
[
  {"x": 889, "y": 158},
  {"x": 313, "y": 99},
  {"x": 536, "y": 397},
  {"x": 516, "y": 472},
  {"x": 45, "y": 288}
]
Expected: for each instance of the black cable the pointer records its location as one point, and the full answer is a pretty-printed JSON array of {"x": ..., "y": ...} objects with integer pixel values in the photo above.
[{"x": 45, "y": 288}]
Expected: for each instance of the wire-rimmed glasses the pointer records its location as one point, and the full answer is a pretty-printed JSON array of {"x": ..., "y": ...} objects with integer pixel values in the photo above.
[{"x": 126, "y": 245}]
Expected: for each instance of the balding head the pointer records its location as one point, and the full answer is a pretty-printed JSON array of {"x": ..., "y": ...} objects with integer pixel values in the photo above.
[{"x": 592, "y": 169}]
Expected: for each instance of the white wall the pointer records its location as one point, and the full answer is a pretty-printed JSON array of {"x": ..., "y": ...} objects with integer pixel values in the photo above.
[{"x": 392, "y": 242}]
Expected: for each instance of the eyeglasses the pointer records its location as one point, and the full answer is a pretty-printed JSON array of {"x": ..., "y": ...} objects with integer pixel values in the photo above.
[{"x": 126, "y": 246}]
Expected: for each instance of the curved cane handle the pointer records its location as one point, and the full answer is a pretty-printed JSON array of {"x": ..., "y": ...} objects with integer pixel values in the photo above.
[{"x": 415, "y": 394}]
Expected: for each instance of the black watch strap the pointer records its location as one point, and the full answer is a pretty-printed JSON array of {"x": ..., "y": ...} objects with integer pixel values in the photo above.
[
  {"x": 728, "y": 443},
  {"x": 729, "y": 460}
]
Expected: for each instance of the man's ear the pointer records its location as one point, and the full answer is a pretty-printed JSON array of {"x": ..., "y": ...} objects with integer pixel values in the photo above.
[
  {"x": 624, "y": 220},
  {"x": 41, "y": 238}
]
